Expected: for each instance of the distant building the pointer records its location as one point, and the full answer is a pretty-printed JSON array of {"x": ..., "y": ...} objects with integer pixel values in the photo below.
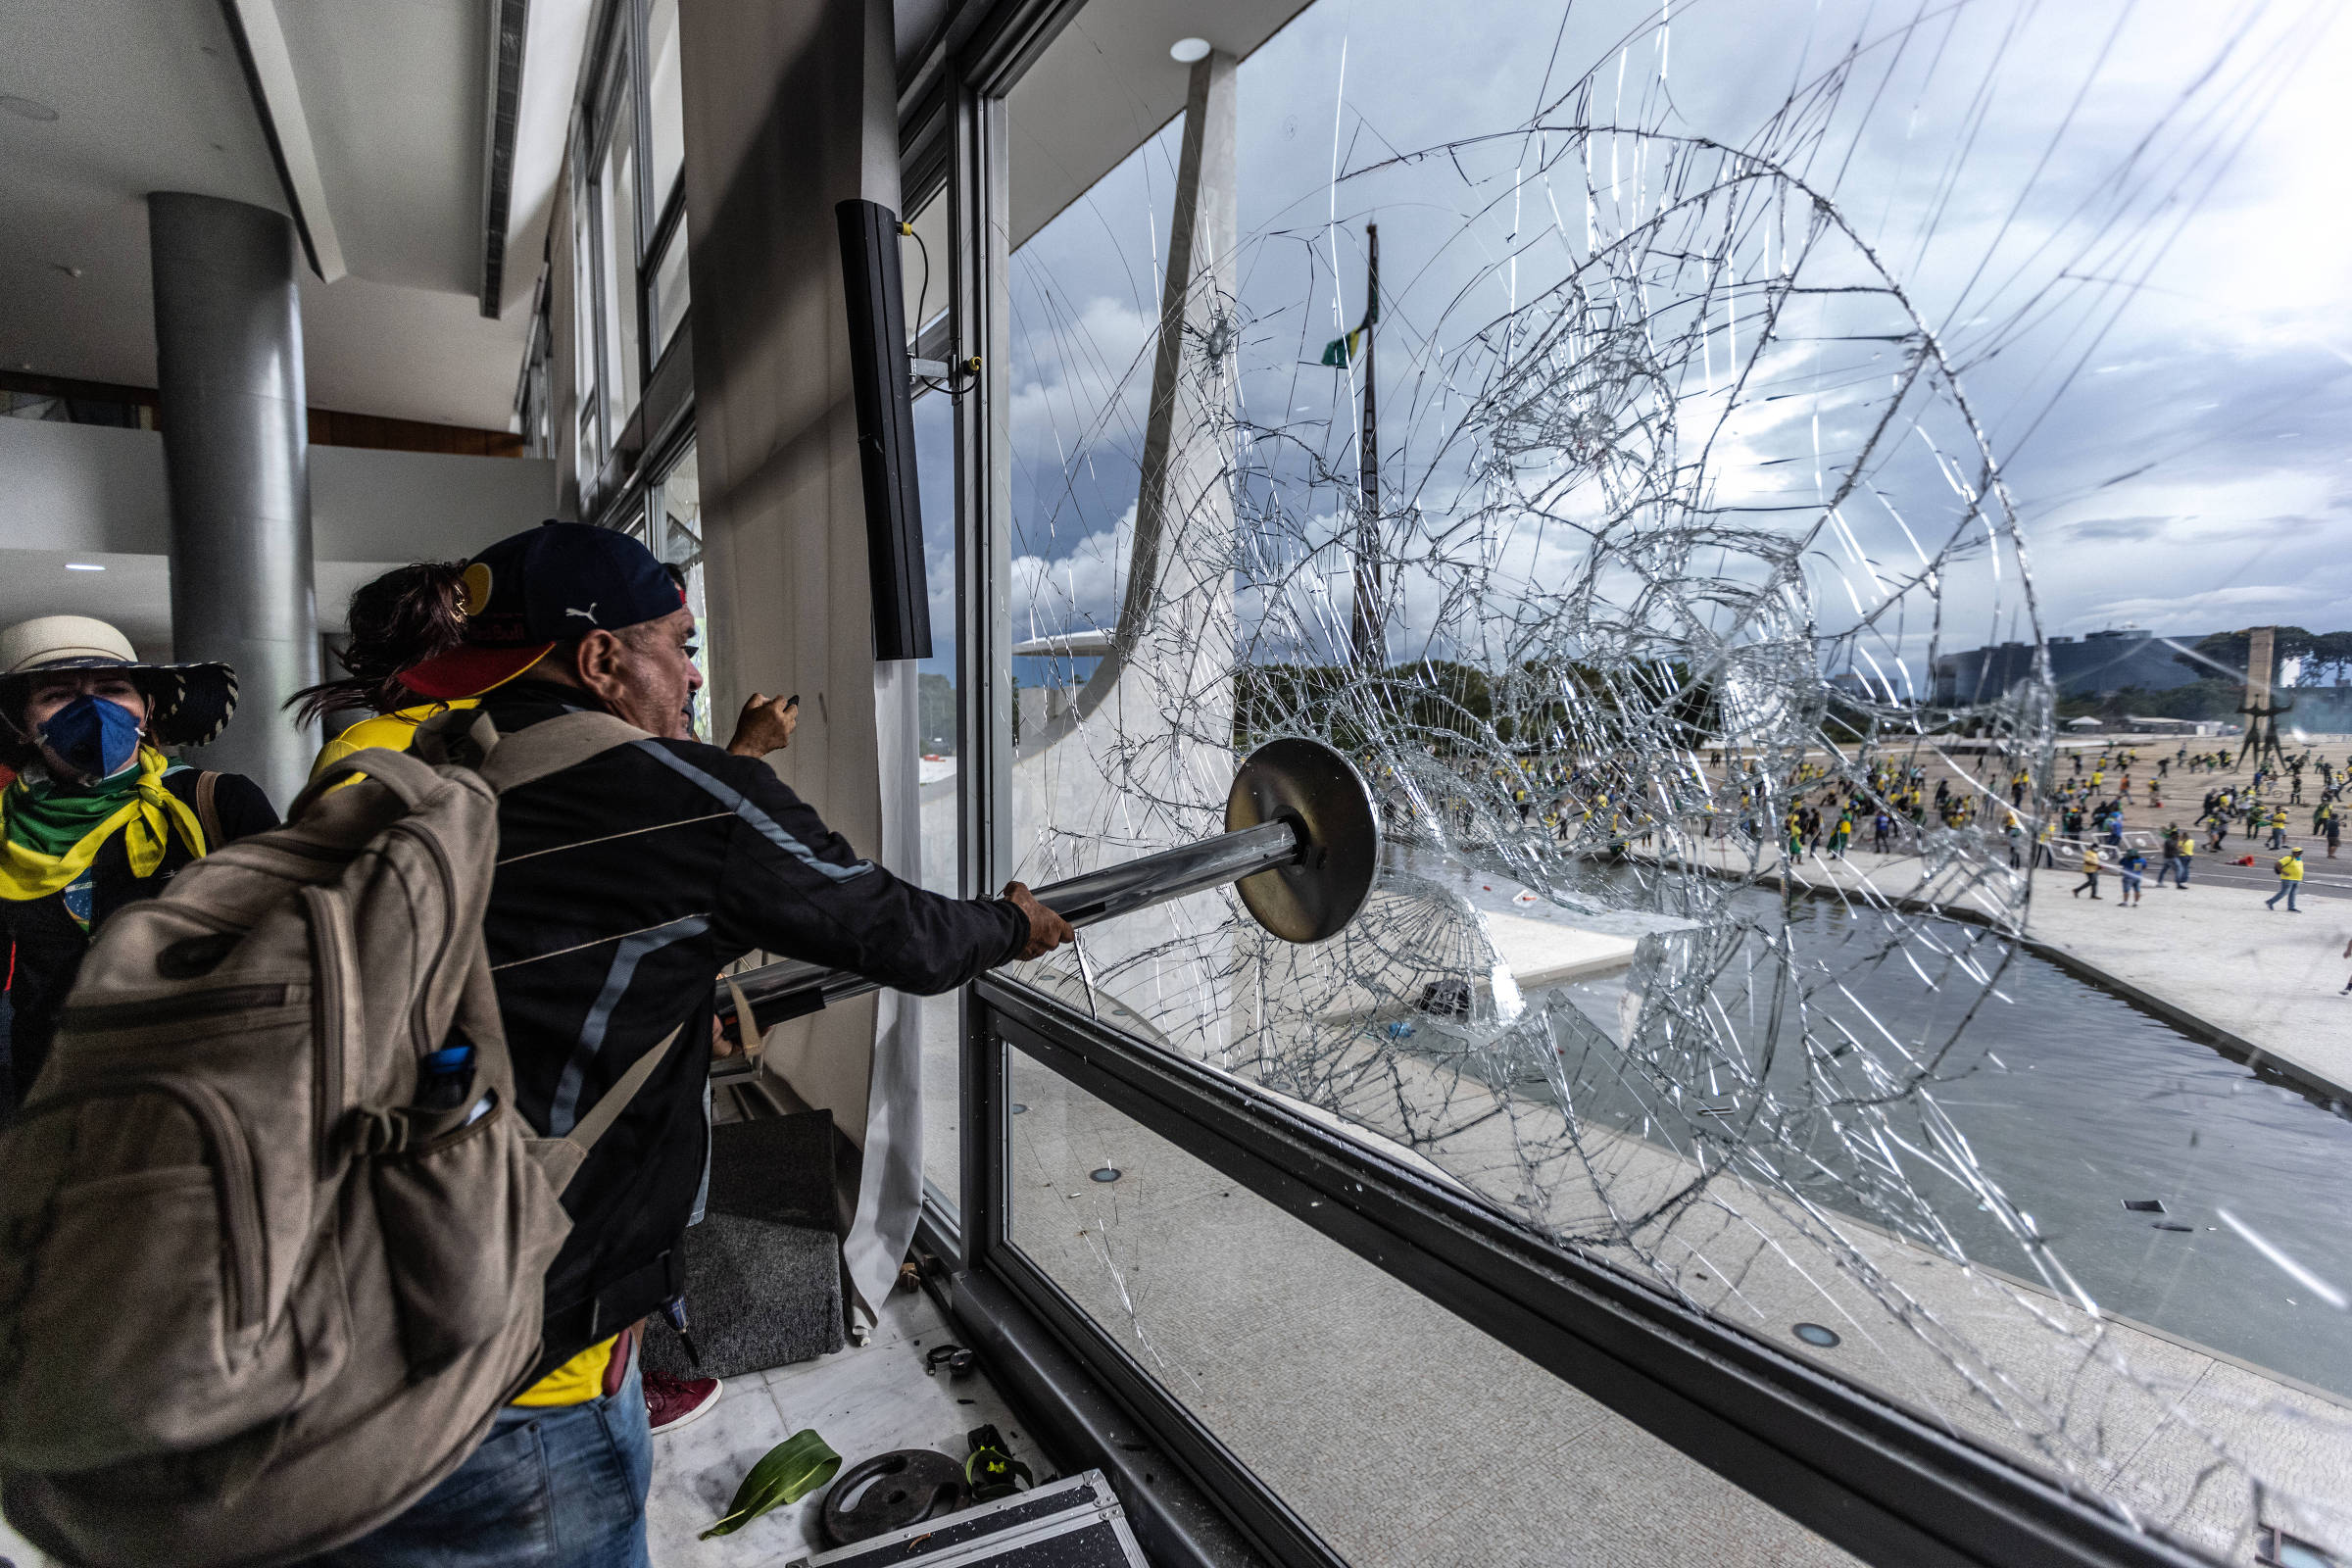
[{"x": 2126, "y": 659}]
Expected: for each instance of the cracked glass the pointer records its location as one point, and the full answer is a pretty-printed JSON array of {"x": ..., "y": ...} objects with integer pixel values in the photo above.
[
  {"x": 1399, "y": 1433},
  {"x": 1728, "y": 373}
]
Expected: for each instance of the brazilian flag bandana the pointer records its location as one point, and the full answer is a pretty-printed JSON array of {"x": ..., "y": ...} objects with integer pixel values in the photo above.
[{"x": 49, "y": 834}]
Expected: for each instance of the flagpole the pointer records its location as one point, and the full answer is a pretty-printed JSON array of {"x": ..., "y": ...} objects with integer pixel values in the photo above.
[{"x": 1370, "y": 646}]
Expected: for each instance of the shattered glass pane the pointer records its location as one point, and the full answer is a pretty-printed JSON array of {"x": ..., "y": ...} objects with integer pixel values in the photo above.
[
  {"x": 935, "y": 762},
  {"x": 1709, "y": 360},
  {"x": 1400, "y": 1434}
]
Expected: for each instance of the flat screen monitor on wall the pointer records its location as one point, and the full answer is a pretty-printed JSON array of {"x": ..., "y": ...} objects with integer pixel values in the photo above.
[{"x": 880, "y": 376}]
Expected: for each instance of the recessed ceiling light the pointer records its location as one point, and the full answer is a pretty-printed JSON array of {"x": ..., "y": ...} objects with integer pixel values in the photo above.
[
  {"x": 1187, "y": 50},
  {"x": 26, "y": 108},
  {"x": 83, "y": 566}
]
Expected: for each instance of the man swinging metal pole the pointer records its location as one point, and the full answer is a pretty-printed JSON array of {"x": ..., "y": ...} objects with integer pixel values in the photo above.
[{"x": 1301, "y": 846}]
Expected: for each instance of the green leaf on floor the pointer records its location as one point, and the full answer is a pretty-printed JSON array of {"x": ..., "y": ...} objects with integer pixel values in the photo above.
[{"x": 787, "y": 1473}]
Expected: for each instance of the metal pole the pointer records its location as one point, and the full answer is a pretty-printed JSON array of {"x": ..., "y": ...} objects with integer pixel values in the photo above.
[
  {"x": 236, "y": 455},
  {"x": 788, "y": 990},
  {"x": 1371, "y": 645}
]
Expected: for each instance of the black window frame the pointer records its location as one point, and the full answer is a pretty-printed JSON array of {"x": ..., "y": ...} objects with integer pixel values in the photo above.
[
  {"x": 1891, "y": 1483},
  {"x": 617, "y": 63}
]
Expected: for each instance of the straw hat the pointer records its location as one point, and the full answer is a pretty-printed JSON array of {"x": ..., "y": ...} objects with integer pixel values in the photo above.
[{"x": 187, "y": 705}]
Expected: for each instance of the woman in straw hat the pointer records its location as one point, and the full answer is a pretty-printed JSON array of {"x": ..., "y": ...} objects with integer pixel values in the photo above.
[{"x": 97, "y": 816}]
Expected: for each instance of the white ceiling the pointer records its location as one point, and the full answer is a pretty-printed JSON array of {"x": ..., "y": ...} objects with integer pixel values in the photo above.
[
  {"x": 149, "y": 96},
  {"x": 83, "y": 494},
  {"x": 393, "y": 96}
]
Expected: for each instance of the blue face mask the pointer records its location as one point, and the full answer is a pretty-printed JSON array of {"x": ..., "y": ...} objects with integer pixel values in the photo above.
[{"x": 93, "y": 736}]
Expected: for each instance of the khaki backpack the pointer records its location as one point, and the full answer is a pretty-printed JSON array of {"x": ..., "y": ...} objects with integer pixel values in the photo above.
[{"x": 263, "y": 1280}]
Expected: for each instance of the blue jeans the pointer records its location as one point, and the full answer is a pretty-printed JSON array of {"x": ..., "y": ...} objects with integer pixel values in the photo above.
[
  {"x": 562, "y": 1487},
  {"x": 2286, "y": 891}
]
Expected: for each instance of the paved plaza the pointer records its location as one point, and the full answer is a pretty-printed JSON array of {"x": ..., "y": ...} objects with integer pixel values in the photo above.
[{"x": 2212, "y": 959}]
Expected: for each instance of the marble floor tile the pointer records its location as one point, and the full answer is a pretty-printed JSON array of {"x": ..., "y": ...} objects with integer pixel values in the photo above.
[
  {"x": 696, "y": 1470},
  {"x": 905, "y": 1315},
  {"x": 863, "y": 1401}
]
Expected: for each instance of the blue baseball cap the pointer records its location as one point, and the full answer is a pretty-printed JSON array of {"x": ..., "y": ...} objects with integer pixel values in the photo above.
[{"x": 528, "y": 593}]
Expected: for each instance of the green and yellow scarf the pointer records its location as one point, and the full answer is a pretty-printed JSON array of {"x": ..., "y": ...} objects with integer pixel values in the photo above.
[{"x": 49, "y": 833}]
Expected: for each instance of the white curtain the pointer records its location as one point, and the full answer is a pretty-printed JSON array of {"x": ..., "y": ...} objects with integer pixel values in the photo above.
[{"x": 890, "y": 1193}]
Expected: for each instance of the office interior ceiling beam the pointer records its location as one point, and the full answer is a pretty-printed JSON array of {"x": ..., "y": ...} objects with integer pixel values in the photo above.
[
  {"x": 555, "y": 36},
  {"x": 509, "y": 19},
  {"x": 277, "y": 100}
]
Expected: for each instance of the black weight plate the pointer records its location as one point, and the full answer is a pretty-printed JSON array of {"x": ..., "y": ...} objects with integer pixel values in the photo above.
[
  {"x": 907, "y": 1487},
  {"x": 1320, "y": 791}
]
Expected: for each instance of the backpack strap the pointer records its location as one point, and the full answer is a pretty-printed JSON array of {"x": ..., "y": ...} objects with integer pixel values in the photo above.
[
  {"x": 553, "y": 745},
  {"x": 403, "y": 774},
  {"x": 467, "y": 737},
  {"x": 747, "y": 1025},
  {"x": 207, "y": 809},
  {"x": 600, "y": 1117}
]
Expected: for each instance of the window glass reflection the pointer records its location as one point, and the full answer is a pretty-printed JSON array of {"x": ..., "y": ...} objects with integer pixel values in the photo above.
[
  {"x": 666, "y": 113},
  {"x": 1318, "y": 1371},
  {"x": 585, "y": 355},
  {"x": 617, "y": 187},
  {"x": 937, "y": 767},
  {"x": 670, "y": 290},
  {"x": 1650, "y": 534},
  {"x": 675, "y": 508}
]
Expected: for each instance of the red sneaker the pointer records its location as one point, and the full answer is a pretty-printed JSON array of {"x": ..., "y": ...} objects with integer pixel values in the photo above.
[{"x": 671, "y": 1402}]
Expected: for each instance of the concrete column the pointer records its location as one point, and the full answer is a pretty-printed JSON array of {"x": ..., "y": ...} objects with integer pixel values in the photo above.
[
  {"x": 236, "y": 457},
  {"x": 789, "y": 110}
]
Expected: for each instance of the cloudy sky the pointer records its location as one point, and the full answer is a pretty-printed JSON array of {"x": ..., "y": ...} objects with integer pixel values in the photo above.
[{"x": 2124, "y": 225}]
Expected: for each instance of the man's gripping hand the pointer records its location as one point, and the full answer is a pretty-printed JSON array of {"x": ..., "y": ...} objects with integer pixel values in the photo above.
[{"x": 1047, "y": 930}]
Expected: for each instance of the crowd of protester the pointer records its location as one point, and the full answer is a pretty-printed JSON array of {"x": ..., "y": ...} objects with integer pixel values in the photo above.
[{"x": 656, "y": 832}]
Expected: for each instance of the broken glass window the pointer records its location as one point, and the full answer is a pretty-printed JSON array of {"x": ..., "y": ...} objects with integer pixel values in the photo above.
[{"x": 1617, "y": 537}]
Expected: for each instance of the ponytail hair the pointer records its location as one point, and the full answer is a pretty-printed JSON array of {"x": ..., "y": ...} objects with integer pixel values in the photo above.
[{"x": 402, "y": 619}]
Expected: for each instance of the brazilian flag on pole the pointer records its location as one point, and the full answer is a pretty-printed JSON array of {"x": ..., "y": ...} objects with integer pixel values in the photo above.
[{"x": 1340, "y": 352}]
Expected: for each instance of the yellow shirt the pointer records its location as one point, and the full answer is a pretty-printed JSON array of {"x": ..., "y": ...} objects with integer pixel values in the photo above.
[
  {"x": 575, "y": 1382},
  {"x": 2290, "y": 870},
  {"x": 582, "y": 1377},
  {"x": 392, "y": 731}
]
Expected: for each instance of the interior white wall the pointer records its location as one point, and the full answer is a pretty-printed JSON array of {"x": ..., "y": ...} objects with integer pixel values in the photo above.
[
  {"x": 790, "y": 110},
  {"x": 95, "y": 495}
]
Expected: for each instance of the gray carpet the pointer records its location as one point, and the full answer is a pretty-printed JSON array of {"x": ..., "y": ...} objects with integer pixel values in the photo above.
[{"x": 764, "y": 1267}]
